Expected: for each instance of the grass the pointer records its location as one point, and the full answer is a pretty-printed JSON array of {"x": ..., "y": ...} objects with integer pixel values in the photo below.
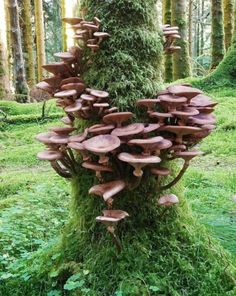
[{"x": 34, "y": 201}]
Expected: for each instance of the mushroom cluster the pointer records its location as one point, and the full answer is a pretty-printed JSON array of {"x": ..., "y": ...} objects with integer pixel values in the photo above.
[
  {"x": 120, "y": 151},
  {"x": 170, "y": 34}
]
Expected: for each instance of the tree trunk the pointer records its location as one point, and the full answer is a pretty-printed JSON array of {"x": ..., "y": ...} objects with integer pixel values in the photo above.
[
  {"x": 202, "y": 27},
  {"x": 190, "y": 28},
  {"x": 228, "y": 22},
  {"x": 168, "y": 58},
  {"x": 164, "y": 252},
  {"x": 181, "y": 63},
  {"x": 21, "y": 87},
  {"x": 63, "y": 14},
  {"x": 8, "y": 35},
  {"x": 225, "y": 73},
  {"x": 28, "y": 42},
  {"x": 217, "y": 33},
  {"x": 39, "y": 32}
]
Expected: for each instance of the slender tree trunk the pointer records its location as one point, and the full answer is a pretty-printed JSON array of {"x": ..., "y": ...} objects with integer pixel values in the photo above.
[
  {"x": 228, "y": 22},
  {"x": 181, "y": 63},
  {"x": 225, "y": 73},
  {"x": 168, "y": 58},
  {"x": 8, "y": 47},
  {"x": 40, "y": 39},
  {"x": 21, "y": 87},
  {"x": 217, "y": 33},
  {"x": 28, "y": 42},
  {"x": 198, "y": 29},
  {"x": 63, "y": 14},
  {"x": 190, "y": 28},
  {"x": 202, "y": 26}
]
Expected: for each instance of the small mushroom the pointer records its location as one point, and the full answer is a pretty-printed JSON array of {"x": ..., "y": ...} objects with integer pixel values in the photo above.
[
  {"x": 138, "y": 161},
  {"x": 148, "y": 145},
  {"x": 188, "y": 155},
  {"x": 50, "y": 155},
  {"x": 203, "y": 119},
  {"x": 62, "y": 130},
  {"x": 97, "y": 168},
  {"x": 76, "y": 106},
  {"x": 148, "y": 103},
  {"x": 168, "y": 200},
  {"x": 202, "y": 100},
  {"x": 185, "y": 114},
  {"x": 79, "y": 138},
  {"x": 184, "y": 91},
  {"x": 101, "y": 145},
  {"x": 117, "y": 118},
  {"x": 79, "y": 148},
  {"x": 161, "y": 117},
  {"x": 66, "y": 93},
  {"x": 108, "y": 190},
  {"x": 171, "y": 103},
  {"x": 181, "y": 131},
  {"x": 100, "y": 129},
  {"x": 112, "y": 217},
  {"x": 129, "y": 130}
]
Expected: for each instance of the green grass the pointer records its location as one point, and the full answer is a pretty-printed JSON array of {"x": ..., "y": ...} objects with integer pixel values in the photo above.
[{"x": 34, "y": 200}]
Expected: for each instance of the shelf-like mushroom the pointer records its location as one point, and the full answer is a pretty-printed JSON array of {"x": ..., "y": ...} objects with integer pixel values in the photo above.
[
  {"x": 101, "y": 145},
  {"x": 185, "y": 114},
  {"x": 108, "y": 190},
  {"x": 76, "y": 106},
  {"x": 97, "y": 168},
  {"x": 101, "y": 129},
  {"x": 138, "y": 161},
  {"x": 112, "y": 217},
  {"x": 148, "y": 145},
  {"x": 202, "y": 101},
  {"x": 184, "y": 91},
  {"x": 66, "y": 93},
  {"x": 171, "y": 103},
  {"x": 181, "y": 131},
  {"x": 161, "y": 117},
  {"x": 202, "y": 119},
  {"x": 117, "y": 118},
  {"x": 188, "y": 155},
  {"x": 148, "y": 103},
  {"x": 62, "y": 130},
  {"x": 128, "y": 131},
  {"x": 50, "y": 155}
]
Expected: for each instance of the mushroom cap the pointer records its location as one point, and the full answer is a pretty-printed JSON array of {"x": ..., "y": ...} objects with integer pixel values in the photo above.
[
  {"x": 101, "y": 34},
  {"x": 78, "y": 86},
  {"x": 50, "y": 155},
  {"x": 179, "y": 147},
  {"x": 53, "y": 81},
  {"x": 188, "y": 155},
  {"x": 168, "y": 200},
  {"x": 93, "y": 46},
  {"x": 62, "y": 130},
  {"x": 146, "y": 144},
  {"x": 108, "y": 190},
  {"x": 45, "y": 138},
  {"x": 172, "y": 99},
  {"x": 160, "y": 171},
  {"x": 117, "y": 117},
  {"x": 185, "y": 112},
  {"x": 67, "y": 120},
  {"x": 102, "y": 144},
  {"x": 74, "y": 107},
  {"x": 76, "y": 146},
  {"x": 112, "y": 217},
  {"x": 99, "y": 129},
  {"x": 181, "y": 130},
  {"x": 99, "y": 93},
  {"x": 71, "y": 80},
  {"x": 151, "y": 127},
  {"x": 164, "y": 144},
  {"x": 160, "y": 115},
  {"x": 184, "y": 91},
  {"x": 148, "y": 102},
  {"x": 44, "y": 86},
  {"x": 88, "y": 98},
  {"x": 60, "y": 139},
  {"x": 67, "y": 56},
  {"x": 55, "y": 68},
  {"x": 138, "y": 158},
  {"x": 101, "y": 105},
  {"x": 129, "y": 130},
  {"x": 79, "y": 138},
  {"x": 96, "y": 167},
  {"x": 65, "y": 93},
  {"x": 72, "y": 20},
  {"x": 89, "y": 26},
  {"x": 203, "y": 119},
  {"x": 202, "y": 100}
]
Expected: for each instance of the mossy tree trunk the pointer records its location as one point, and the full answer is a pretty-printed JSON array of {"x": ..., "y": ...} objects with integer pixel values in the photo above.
[
  {"x": 40, "y": 37},
  {"x": 21, "y": 87},
  {"x": 228, "y": 22},
  {"x": 190, "y": 28},
  {"x": 181, "y": 63},
  {"x": 168, "y": 58},
  {"x": 217, "y": 35},
  {"x": 28, "y": 42},
  {"x": 225, "y": 73},
  {"x": 63, "y": 14},
  {"x": 162, "y": 251}
]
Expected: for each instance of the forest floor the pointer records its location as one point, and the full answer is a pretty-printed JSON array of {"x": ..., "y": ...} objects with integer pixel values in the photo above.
[{"x": 34, "y": 201}]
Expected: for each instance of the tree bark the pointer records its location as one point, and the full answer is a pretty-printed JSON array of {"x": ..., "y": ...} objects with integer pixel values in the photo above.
[
  {"x": 28, "y": 42},
  {"x": 217, "y": 37},
  {"x": 190, "y": 28},
  {"x": 21, "y": 87},
  {"x": 168, "y": 58},
  {"x": 40, "y": 37},
  {"x": 63, "y": 14},
  {"x": 181, "y": 63},
  {"x": 228, "y": 22}
]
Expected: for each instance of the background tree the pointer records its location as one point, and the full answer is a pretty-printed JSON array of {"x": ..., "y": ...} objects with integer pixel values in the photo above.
[
  {"x": 40, "y": 36},
  {"x": 228, "y": 21},
  {"x": 63, "y": 14},
  {"x": 28, "y": 41},
  {"x": 21, "y": 87},
  {"x": 181, "y": 63},
  {"x": 217, "y": 35},
  {"x": 168, "y": 58}
]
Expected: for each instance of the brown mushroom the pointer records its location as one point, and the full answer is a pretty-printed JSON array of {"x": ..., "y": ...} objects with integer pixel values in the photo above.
[
  {"x": 148, "y": 103},
  {"x": 168, "y": 200},
  {"x": 101, "y": 145},
  {"x": 202, "y": 101},
  {"x": 117, "y": 118},
  {"x": 129, "y": 130},
  {"x": 97, "y": 168},
  {"x": 184, "y": 91},
  {"x": 62, "y": 130},
  {"x": 171, "y": 103},
  {"x": 99, "y": 129},
  {"x": 188, "y": 155},
  {"x": 161, "y": 117},
  {"x": 50, "y": 155},
  {"x": 185, "y": 114},
  {"x": 79, "y": 148},
  {"x": 76, "y": 106},
  {"x": 181, "y": 131},
  {"x": 65, "y": 93},
  {"x": 148, "y": 145},
  {"x": 138, "y": 161},
  {"x": 112, "y": 217}
]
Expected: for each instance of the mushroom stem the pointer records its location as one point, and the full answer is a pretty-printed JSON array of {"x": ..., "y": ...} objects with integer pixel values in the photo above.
[
  {"x": 60, "y": 171},
  {"x": 116, "y": 240},
  {"x": 176, "y": 180},
  {"x": 163, "y": 213},
  {"x": 70, "y": 161},
  {"x": 133, "y": 185}
]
